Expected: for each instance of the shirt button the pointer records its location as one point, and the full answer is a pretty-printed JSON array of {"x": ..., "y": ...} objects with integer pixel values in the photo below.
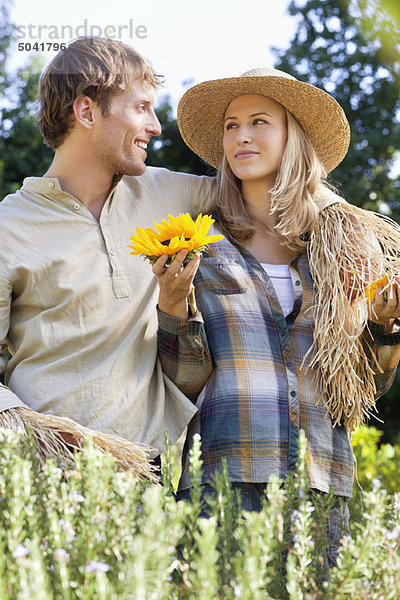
[
  {"x": 293, "y": 393},
  {"x": 76, "y": 206},
  {"x": 298, "y": 282},
  {"x": 112, "y": 252},
  {"x": 51, "y": 184}
]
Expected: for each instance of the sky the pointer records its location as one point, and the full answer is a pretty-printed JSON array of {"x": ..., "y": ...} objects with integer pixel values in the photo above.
[{"x": 186, "y": 41}]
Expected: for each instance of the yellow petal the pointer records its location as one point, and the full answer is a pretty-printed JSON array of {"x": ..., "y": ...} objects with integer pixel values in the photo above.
[
  {"x": 181, "y": 233},
  {"x": 213, "y": 238},
  {"x": 370, "y": 292}
]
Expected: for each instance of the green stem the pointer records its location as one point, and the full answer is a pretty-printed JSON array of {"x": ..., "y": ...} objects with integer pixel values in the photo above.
[{"x": 192, "y": 301}]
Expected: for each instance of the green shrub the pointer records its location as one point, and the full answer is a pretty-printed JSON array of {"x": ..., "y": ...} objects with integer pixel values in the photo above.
[
  {"x": 96, "y": 533},
  {"x": 374, "y": 461}
]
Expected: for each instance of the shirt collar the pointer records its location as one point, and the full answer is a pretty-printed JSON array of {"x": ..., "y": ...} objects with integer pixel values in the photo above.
[{"x": 50, "y": 187}]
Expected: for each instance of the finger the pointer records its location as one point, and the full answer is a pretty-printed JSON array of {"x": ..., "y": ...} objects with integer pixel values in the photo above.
[
  {"x": 379, "y": 300},
  {"x": 176, "y": 266},
  {"x": 377, "y": 306},
  {"x": 392, "y": 304},
  {"x": 386, "y": 304},
  {"x": 181, "y": 257},
  {"x": 190, "y": 269},
  {"x": 159, "y": 265}
]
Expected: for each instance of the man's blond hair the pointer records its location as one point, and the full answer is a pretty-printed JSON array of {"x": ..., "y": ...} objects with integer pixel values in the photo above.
[{"x": 90, "y": 66}]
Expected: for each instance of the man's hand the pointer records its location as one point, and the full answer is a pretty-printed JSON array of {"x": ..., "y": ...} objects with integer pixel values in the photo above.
[{"x": 175, "y": 283}]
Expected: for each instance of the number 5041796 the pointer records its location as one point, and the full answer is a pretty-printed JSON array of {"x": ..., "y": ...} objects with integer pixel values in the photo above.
[{"x": 43, "y": 46}]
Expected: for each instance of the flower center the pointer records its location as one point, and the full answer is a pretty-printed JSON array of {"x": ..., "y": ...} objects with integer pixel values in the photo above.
[{"x": 166, "y": 242}]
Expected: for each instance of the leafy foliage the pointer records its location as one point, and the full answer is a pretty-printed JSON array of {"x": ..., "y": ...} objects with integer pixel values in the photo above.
[
  {"x": 6, "y": 34},
  {"x": 169, "y": 150},
  {"x": 377, "y": 463},
  {"x": 22, "y": 151},
  {"x": 96, "y": 533},
  {"x": 337, "y": 49}
]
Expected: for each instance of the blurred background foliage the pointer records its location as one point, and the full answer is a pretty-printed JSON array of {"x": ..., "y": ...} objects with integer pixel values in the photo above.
[
  {"x": 376, "y": 460},
  {"x": 347, "y": 50},
  {"x": 350, "y": 48}
]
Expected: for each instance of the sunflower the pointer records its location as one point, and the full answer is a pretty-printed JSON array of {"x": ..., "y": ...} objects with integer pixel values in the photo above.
[
  {"x": 178, "y": 233},
  {"x": 370, "y": 292}
]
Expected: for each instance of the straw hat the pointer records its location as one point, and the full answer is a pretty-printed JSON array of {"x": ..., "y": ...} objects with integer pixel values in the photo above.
[{"x": 202, "y": 108}]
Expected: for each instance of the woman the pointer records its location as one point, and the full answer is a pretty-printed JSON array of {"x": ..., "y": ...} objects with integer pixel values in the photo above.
[{"x": 284, "y": 338}]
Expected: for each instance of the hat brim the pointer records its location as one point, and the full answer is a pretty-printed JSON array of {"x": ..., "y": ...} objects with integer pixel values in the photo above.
[{"x": 202, "y": 108}]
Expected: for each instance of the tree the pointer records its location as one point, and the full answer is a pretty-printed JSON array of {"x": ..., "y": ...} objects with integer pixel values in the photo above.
[
  {"x": 21, "y": 146},
  {"x": 6, "y": 32},
  {"x": 351, "y": 48},
  {"x": 336, "y": 49},
  {"x": 169, "y": 150},
  {"x": 22, "y": 151}
]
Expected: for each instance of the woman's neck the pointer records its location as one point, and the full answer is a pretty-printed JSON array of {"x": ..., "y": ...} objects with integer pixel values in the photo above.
[
  {"x": 267, "y": 247},
  {"x": 264, "y": 244},
  {"x": 258, "y": 200}
]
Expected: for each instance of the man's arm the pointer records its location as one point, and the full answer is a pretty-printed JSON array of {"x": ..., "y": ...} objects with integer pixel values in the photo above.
[
  {"x": 7, "y": 398},
  {"x": 201, "y": 193},
  {"x": 169, "y": 192}
]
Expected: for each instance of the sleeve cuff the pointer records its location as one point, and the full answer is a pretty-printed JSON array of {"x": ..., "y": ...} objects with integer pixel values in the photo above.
[
  {"x": 380, "y": 337},
  {"x": 176, "y": 326}
]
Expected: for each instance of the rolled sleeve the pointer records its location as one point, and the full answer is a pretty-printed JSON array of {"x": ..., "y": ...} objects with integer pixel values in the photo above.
[
  {"x": 183, "y": 352},
  {"x": 386, "y": 347},
  {"x": 380, "y": 337}
]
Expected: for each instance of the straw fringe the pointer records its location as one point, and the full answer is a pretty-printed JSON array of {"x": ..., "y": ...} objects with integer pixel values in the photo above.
[
  {"x": 47, "y": 431},
  {"x": 349, "y": 249}
]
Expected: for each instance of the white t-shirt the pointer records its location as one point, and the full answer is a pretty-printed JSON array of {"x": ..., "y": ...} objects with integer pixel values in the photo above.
[{"x": 282, "y": 282}]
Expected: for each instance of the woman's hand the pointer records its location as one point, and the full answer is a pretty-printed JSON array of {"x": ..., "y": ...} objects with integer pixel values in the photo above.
[
  {"x": 386, "y": 306},
  {"x": 175, "y": 283}
]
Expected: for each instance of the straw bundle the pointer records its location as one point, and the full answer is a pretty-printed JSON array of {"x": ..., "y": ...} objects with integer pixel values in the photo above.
[
  {"x": 48, "y": 431},
  {"x": 349, "y": 249}
]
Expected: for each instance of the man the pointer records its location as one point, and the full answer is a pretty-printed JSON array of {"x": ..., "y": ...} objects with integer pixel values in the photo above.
[{"x": 77, "y": 312}]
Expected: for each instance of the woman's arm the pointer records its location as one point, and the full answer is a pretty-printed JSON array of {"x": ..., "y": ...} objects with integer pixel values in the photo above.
[
  {"x": 175, "y": 281},
  {"x": 182, "y": 341},
  {"x": 383, "y": 335},
  {"x": 384, "y": 349},
  {"x": 184, "y": 353}
]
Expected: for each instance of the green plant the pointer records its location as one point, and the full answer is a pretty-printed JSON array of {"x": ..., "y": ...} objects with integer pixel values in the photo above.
[
  {"x": 376, "y": 461},
  {"x": 95, "y": 532}
]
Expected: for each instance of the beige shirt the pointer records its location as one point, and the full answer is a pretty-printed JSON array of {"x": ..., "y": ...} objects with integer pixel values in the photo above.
[{"x": 78, "y": 312}]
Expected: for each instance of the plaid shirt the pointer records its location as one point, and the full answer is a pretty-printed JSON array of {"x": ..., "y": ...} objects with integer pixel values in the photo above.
[{"x": 245, "y": 357}]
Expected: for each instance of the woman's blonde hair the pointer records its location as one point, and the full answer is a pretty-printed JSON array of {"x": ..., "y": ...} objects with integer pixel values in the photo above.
[{"x": 299, "y": 179}]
